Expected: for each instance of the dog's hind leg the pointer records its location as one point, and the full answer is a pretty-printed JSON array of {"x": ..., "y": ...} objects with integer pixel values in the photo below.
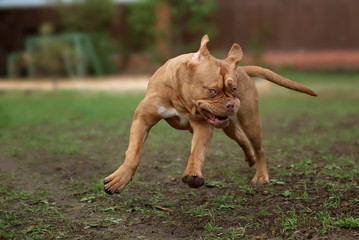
[
  {"x": 235, "y": 132},
  {"x": 248, "y": 117},
  {"x": 145, "y": 117},
  {"x": 251, "y": 125}
]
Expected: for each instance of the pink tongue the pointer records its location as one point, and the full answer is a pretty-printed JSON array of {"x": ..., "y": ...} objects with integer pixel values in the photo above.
[
  {"x": 213, "y": 120},
  {"x": 216, "y": 121}
]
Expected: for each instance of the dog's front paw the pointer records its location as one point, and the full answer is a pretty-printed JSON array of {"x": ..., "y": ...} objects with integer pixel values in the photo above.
[
  {"x": 260, "y": 179},
  {"x": 118, "y": 180},
  {"x": 250, "y": 160},
  {"x": 193, "y": 180}
]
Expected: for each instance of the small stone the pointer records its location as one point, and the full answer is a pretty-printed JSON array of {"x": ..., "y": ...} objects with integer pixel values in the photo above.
[{"x": 264, "y": 192}]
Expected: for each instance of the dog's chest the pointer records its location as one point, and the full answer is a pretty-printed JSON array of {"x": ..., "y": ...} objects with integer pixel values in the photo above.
[{"x": 172, "y": 112}]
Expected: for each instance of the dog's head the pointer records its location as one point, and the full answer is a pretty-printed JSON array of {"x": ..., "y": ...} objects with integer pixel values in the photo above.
[{"x": 212, "y": 85}]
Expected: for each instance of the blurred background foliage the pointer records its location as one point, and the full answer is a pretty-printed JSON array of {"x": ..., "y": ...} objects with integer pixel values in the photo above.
[
  {"x": 156, "y": 37},
  {"x": 187, "y": 18},
  {"x": 135, "y": 36},
  {"x": 95, "y": 18}
]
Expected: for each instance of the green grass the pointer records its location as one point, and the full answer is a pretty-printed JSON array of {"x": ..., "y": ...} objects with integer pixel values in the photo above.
[
  {"x": 348, "y": 222},
  {"x": 56, "y": 148}
]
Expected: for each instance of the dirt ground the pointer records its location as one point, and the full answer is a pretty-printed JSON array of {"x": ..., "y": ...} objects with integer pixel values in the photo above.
[
  {"x": 154, "y": 206},
  {"x": 47, "y": 193},
  {"x": 121, "y": 83}
]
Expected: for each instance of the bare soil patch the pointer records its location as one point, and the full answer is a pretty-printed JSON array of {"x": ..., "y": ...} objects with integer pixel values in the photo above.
[{"x": 56, "y": 191}]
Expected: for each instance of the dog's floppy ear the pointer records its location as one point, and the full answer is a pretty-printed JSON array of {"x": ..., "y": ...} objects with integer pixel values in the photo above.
[
  {"x": 202, "y": 53},
  {"x": 234, "y": 55}
]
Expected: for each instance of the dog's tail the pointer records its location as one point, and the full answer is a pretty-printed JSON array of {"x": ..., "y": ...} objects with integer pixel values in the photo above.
[{"x": 255, "y": 71}]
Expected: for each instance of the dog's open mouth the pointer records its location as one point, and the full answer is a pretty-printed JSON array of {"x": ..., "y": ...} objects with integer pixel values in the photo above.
[{"x": 216, "y": 121}]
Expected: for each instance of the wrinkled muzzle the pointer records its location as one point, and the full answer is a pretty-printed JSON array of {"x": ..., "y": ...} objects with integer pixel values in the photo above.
[{"x": 217, "y": 113}]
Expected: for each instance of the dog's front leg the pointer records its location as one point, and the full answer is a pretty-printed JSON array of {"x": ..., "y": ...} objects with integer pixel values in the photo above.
[
  {"x": 145, "y": 117},
  {"x": 202, "y": 137}
]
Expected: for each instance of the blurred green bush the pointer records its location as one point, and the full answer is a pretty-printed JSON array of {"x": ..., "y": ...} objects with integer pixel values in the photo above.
[
  {"x": 189, "y": 20},
  {"x": 95, "y": 18}
]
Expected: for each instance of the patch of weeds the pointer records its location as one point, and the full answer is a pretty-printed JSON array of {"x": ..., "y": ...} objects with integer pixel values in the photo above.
[
  {"x": 287, "y": 193},
  {"x": 326, "y": 221},
  {"x": 248, "y": 190},
  {"x": 332, "y": 167},
  {"x": 132, "y": 199},
  {"x": 113, "y": 220},
  {"x": 241, "y": 180},
  {"x": 334, "y": 201},
  {"x": 16, "y": 151},
  {"x": 162, "y": 214},
  {"x": 10, "y": 218},
  {"x": 156, "y": 198},
  {"x": 134, "y": 221},
  {"x": 348, "y": 222},
  {"x": 89, "y": 199},
  {"x": 171, "y": 204},
  {"x": 223, "y": 198},
  {"x": 211, "y": 227},
  {"x": 320, "y": 182},
  {"x": 330, "y": 158},
  {"x": 217, "y": 232},
  {"x": 269, "y": 188},
  {"x": 332, "y": 187},
  {"x": 289, "y": 141},
  {"x": 200, "y": 212},
  {"x": 161, "y": 165},
  {"x": 336, "y": 171},
  {"x": 277, "y": 182},
  {"x": 36, "y": 229},
  {"x": 226, "y": 207},
  {"x": 192, "y": 192},
  {"x": 93, "y": 185},
  {"x": 239, "y": 200},
  {"x": 231, "y": 173},
  {"x": 111, "y": 209},
  {"x": 20, "y": 195},
  {"x": 212, "y": 230},
  {"x": 279, "y": 154},
  {"x": 72, "y": 150},
  {"x": 212, "y": 184},
  {"x": 304, "y": 196},
  {"x": 234, "y": 232},
  {"x": 138, "y": 209},
  {"x": 219, "y": 154},
  {"x": 91, "y": 225},
  {"x": 264, "y": 212},
  {"x": 292, "y": 221},
  {"x": 276, "y": 168},
  {"x": 8, "y": 235},
  {"x": 96, "y": 185},
  {"x": 304, "y": 167}
]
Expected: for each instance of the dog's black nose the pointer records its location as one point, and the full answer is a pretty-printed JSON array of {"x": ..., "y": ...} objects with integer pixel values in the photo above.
[{"x": 229, "y": 105}]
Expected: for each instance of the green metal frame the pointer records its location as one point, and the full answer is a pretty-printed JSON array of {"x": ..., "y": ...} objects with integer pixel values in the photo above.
[
  {"x": 82, "y": 46},
  {"x": 10, "y": 63}
]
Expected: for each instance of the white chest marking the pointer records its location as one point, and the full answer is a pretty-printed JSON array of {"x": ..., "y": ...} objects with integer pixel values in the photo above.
[
  {"x": 171, "y": 112},
  {"x": 167, "y": 112}
]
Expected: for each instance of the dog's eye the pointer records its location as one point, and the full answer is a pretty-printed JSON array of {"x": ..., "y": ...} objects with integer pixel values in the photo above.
[
  {"x": 234, "y": 90},
  {"x": 212, "y": 91}
]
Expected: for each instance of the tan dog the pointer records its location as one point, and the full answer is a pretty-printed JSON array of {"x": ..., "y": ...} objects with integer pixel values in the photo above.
[{"x": 198, "y": 92}]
